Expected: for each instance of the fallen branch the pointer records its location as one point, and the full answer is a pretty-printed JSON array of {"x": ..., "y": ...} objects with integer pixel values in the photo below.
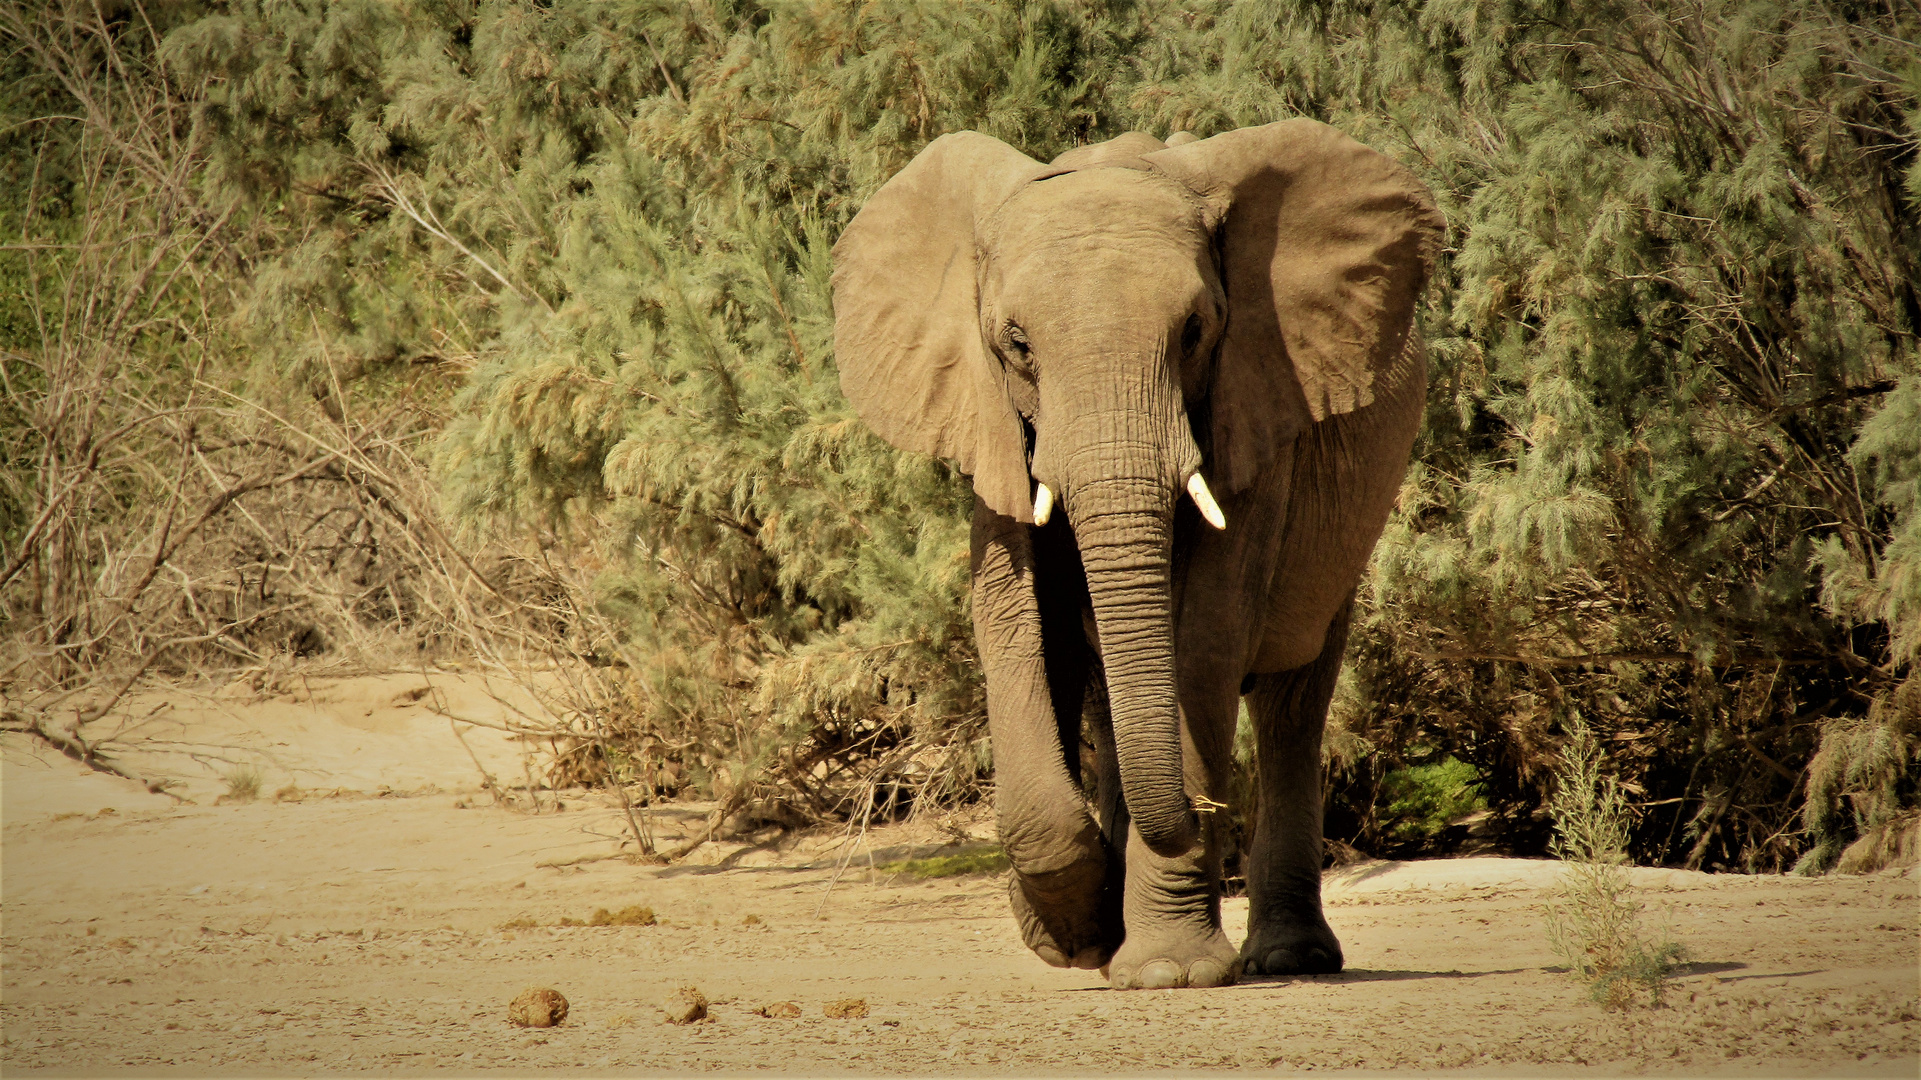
[
  {"x": 73, "y": 746},
  {"x": 721, "y": 813}
]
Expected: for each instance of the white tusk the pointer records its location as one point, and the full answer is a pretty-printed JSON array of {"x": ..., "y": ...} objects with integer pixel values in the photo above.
[
  {"x": 1204, "y": 499},
  {"x": 1044, "y": 504}
]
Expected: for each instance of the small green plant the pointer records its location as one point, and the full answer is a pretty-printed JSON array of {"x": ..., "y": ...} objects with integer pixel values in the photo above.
[
  {"x": 1595, "y": 925},
  {"x": 987, "y": 859},
  {"x": 243, "y": 784}
]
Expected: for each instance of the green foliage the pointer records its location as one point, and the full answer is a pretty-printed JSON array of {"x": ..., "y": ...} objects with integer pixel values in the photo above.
[
  {"x": 1595, "y": 925},
  {"x": 179, "y": 495},
  {"x": 1888, "y": 591},
  {"x": 1667, "y": 475},
  {"x": 1418, "y": 802},
  {"x": 1862, "y": 787},
  {"x": 1670, "y": 478}
]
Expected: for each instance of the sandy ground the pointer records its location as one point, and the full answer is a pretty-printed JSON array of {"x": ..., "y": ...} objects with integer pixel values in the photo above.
[{"x": 341, "y": 930}]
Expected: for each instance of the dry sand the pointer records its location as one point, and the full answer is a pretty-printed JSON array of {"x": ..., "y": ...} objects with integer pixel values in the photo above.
[{"x": 339, "y": 929}]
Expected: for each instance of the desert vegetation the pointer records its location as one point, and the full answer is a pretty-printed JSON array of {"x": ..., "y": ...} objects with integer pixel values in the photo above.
[
  {"x": 1598, "y": 926},
  {"x": 376, "y": 334}
]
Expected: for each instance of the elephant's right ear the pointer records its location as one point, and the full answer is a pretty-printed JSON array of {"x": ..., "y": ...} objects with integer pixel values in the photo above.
[{"x": 907, "y": 333}]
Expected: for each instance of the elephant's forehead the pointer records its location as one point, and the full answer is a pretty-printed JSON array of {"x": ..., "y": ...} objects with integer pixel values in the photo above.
[{"x": 1127, "y": 212}]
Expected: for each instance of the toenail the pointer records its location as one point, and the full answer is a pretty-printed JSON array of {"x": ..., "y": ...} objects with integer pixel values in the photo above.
[
  {"x": 1160, "y": 975},
  {"x": 1207, "y": 973}
]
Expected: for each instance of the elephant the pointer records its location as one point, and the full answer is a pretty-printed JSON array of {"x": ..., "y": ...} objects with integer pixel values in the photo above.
[{"x": 1185, "y": 380}]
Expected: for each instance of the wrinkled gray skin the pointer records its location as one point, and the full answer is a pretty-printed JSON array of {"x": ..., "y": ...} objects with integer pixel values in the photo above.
[{"x": 1107, "y": 326}]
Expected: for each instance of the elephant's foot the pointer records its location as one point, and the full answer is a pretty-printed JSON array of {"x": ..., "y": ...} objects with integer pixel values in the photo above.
[
  {"x": 1162, "y": 962},
  {"x": 1291, "y": 947},
  {"x": 1070, "y": 917}
]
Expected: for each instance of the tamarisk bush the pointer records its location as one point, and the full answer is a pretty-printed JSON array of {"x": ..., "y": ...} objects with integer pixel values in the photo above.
[
  {"x": 576, "y": 255},
  {"x": 1668, "y": 474}
]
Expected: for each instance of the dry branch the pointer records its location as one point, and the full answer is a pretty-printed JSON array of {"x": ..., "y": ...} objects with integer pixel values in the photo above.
[{"x": 72, "y": 745}]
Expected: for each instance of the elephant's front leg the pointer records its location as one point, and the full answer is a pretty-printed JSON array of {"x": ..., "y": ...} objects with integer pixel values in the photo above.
[
  {"x": 1061, "y": 891},
  {"x": 1172, "y": 905},
  {"x": 1173, "y": 914}
]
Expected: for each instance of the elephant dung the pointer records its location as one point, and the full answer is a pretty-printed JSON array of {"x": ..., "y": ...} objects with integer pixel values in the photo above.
[
  {"x": 686, "y": 1006},
  {"x": 537, "y": 1006},
  {"x": 847, "y": 1009}
]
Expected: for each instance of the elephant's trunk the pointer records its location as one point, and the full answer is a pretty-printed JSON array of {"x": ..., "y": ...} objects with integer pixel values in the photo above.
[
  {"x": 1114, "y": 433},
  {"x": 1126, "y": 546}
]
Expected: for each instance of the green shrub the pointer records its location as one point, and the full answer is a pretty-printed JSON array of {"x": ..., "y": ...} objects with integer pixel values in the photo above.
[
  {"x": 1862, "y": 787},
  {"x": 1418, "y": 802}
]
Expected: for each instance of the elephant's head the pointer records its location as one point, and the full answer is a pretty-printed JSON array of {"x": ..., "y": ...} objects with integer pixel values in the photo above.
[{"x": 1109, "y": 330}]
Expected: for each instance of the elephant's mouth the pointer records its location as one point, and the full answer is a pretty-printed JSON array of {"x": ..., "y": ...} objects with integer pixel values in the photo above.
[{"x": 1197, "y": 490}]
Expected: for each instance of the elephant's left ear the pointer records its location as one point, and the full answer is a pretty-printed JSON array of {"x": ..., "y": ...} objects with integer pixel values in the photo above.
[{"x": 1325, "y": 248}]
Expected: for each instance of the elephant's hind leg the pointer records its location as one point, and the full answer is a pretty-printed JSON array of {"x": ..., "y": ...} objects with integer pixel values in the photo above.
[{"x": 1287, "y": 934}]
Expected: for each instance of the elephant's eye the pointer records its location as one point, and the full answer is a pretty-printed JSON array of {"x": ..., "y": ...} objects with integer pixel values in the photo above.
[
  {"x": 1191, "y": 334},
  {"x": 1016, "y": 341}
]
